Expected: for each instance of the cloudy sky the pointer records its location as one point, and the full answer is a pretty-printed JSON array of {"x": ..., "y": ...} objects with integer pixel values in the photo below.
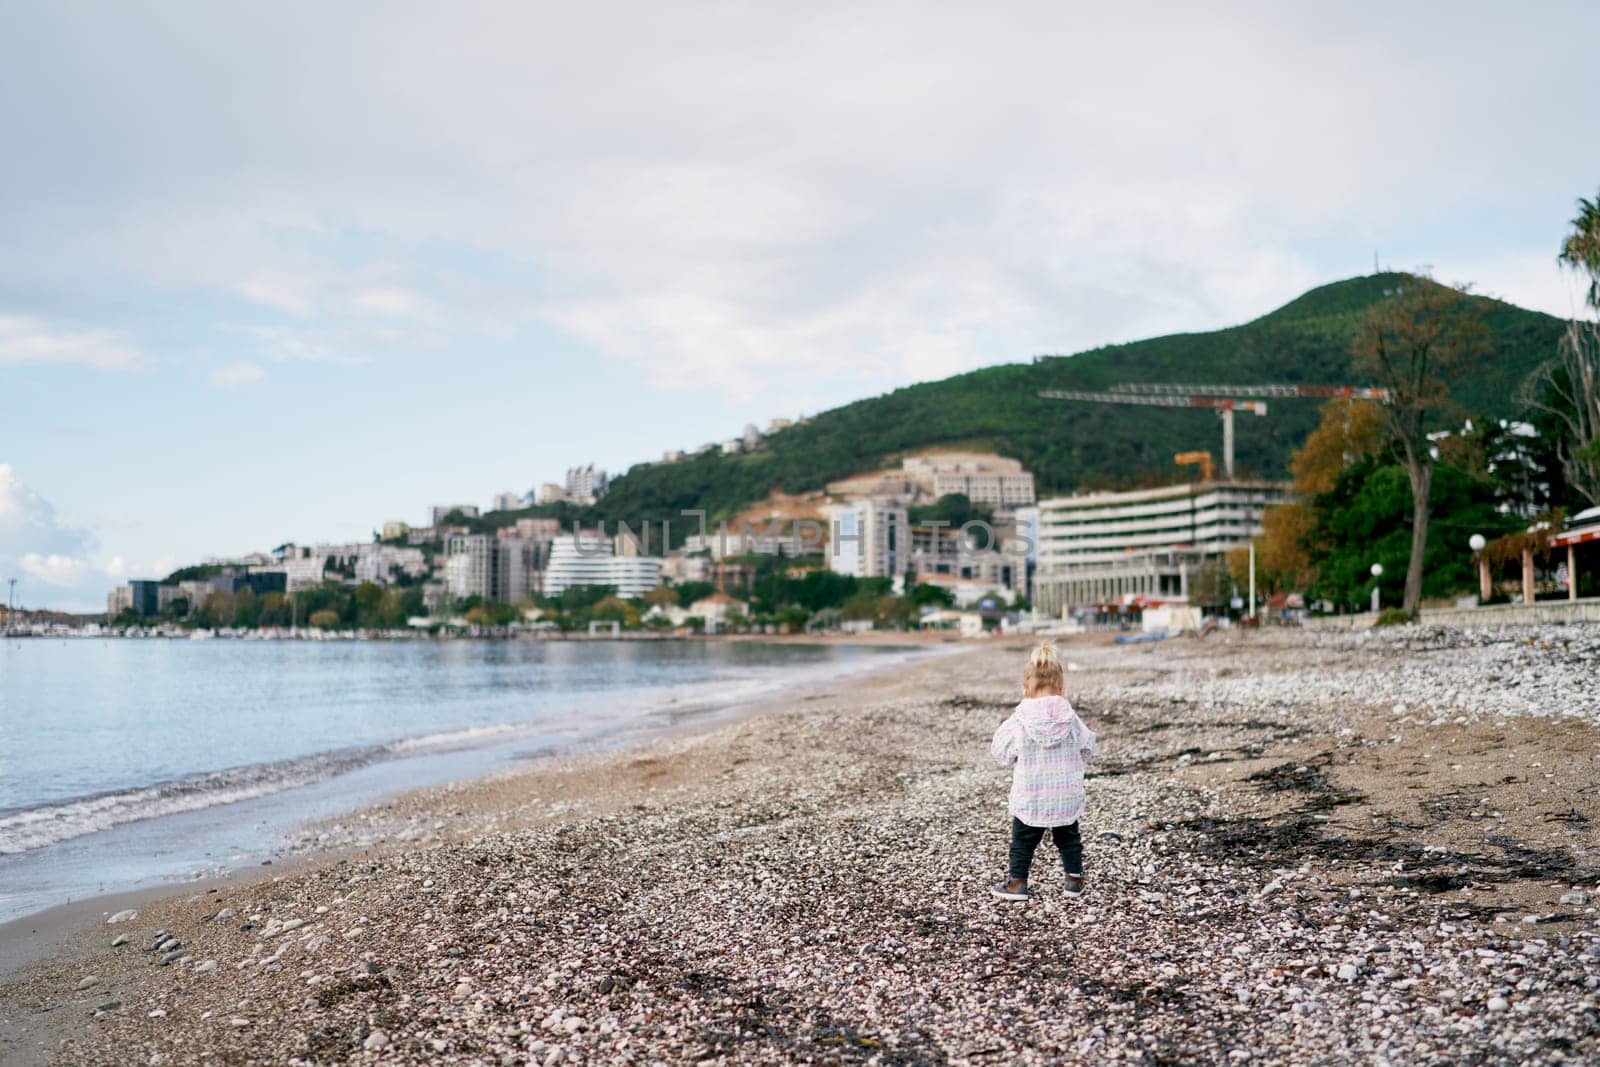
[{"x": 281, "y": 272}]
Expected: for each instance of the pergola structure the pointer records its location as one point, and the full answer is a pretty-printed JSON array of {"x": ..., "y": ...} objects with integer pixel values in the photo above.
[{"x": 1570, "y": 539}]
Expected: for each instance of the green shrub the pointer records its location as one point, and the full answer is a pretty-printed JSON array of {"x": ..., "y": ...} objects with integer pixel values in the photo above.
[{"x": 1394, "y": 617}]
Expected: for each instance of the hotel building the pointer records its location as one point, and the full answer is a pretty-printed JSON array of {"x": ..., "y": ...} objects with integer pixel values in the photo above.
[{"x": 1096, "y": 548}]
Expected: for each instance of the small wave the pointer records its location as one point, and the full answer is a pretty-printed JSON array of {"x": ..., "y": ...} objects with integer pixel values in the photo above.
[{"x": 49, "y": 824}]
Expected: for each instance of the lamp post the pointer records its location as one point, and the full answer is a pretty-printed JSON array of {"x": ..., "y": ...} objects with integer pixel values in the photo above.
[
  {"x": 1476, "y": 542},
  {"x": 1377, "y": 572}
]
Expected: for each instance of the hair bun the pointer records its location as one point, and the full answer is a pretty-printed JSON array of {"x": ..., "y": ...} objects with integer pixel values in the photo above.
[{"x": 1044, "y": 656}]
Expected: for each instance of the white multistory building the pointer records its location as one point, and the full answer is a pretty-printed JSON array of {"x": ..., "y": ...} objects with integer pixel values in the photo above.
[
  {"x": 586, "y": 484},
  {"x": 868, "y": 538},
  {"x": 590, "y": 559},
  {"x": 995, "y": 481},
  {"x": 1099, "y": 548},
  {"x": 992, "y": 481},
  {"x": 491, "y": 567},
  {"x": 510, "y": 500},
  {"x": 386, "y": 564}
]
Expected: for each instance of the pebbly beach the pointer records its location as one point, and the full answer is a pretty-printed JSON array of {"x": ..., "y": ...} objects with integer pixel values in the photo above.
[{"x": 1300, "y": 847}]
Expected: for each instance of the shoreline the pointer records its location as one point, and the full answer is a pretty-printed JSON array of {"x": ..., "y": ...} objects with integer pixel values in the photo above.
[
  {"x": 871, "y": 637},
  {"x": 247, "y": 811},
  {"x": 27, "y": 938},
  {"x": 1291, "y": 854}
]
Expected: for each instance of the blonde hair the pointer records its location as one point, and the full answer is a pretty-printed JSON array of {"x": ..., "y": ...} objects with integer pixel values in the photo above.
[{"x": 1043, "y": 674}]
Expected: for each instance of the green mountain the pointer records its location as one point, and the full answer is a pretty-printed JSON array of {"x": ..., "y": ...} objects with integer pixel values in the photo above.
[{"x": 1071, "y": 445}]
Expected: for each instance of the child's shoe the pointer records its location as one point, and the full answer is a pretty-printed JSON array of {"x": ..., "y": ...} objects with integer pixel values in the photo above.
[
  {"x": 1074, "y": 884},
  {"x": 1015, "y": 889}
]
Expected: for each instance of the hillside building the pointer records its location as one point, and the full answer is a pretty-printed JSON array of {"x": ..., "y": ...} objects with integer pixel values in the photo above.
[
  {"x": 586, "y": 484},
  {"x": 440, "y": 512},
  {"x": 991, "y": 481}
]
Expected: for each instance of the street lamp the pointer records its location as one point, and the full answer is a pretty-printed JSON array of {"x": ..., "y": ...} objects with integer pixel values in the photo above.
[
  {"x": 1377, "y": 572},
  {"x": 1477, "y": 543}
]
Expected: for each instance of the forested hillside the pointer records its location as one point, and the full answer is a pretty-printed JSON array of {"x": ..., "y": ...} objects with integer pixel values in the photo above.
[{"x": 1072, "y": 445}]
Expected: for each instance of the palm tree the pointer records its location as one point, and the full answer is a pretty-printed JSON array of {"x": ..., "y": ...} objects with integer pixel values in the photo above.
[{"x": 1581, "y": 249}]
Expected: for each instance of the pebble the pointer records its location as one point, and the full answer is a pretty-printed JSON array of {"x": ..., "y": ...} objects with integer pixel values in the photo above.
[
  {"x": 126, "y": 915},
  {"x": 205, "y": 966},
  {"x": 88, "y": 983},
  {"x": 119, "y": 940},
  {"x": 1224, "y": 931}
]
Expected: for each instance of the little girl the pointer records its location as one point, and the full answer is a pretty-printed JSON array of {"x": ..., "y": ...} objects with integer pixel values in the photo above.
[{"x": 1045, "y": 744}]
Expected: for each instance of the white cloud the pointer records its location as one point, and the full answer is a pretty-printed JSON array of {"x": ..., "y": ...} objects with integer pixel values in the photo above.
[
  {"x": 282, "y": 292},
  {"x": 742, "y": 197},
  {"x": 388, "y": 301},
  {"x": 235, "y": 375},
  {"x": 25, "y": 339},
  {"x": 38, "y": 545},
  {"x": 55, "y": 569}
]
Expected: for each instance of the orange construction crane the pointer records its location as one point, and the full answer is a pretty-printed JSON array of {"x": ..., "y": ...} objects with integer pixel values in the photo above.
[{"x": 1208, "y": 471}]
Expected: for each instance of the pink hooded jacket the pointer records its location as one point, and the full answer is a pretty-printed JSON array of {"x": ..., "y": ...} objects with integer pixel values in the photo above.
[{"x": 1045, "y": 744}]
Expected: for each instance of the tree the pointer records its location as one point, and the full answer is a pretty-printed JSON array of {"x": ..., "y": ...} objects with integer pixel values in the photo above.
[
  {"x": 1581, "y": 248},
  {"x": 324, "y": 619},
  {"x": 1211, "y": 584},
  {"x": 662, "y": 596},
  {"x": 1567, "y": 387},
  {"x": 1351, "y": 432},
  {"x": 1415, "y": 343}
]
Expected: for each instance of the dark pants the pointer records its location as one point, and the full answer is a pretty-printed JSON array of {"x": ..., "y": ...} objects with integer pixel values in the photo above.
[{"x": 1025, "y": 838}]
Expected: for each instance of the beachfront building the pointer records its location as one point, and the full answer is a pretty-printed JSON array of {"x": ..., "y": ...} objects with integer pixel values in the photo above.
[
  {"x": 868, "y": 538},
  {"x": 716, "y": 610},
  {"x": 491, "y": 567},
  {"x": 119, "y": 600},
  {"x": 510, "y": 500},
  {"x": 989, "y": 555},
  {"x": 589, "y": 558},
  {"x": 1097, "y": 548}
]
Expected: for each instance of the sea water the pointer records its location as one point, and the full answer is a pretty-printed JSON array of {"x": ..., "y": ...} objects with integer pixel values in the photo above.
[{"x": 128, "y": 762}]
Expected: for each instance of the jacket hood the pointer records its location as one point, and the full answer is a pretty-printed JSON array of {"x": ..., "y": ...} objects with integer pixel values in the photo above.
[{"x": 1048, "y": 720}]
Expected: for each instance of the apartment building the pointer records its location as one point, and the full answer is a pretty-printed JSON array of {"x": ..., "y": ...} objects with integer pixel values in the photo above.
[
  {"x": 868, "y": 538},
  {"x": 586, "y": 484},
  {"x": 1095, "y": 548},
  {"x": 590, "y": 558},
  {"x": 491, "y": 567}
]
